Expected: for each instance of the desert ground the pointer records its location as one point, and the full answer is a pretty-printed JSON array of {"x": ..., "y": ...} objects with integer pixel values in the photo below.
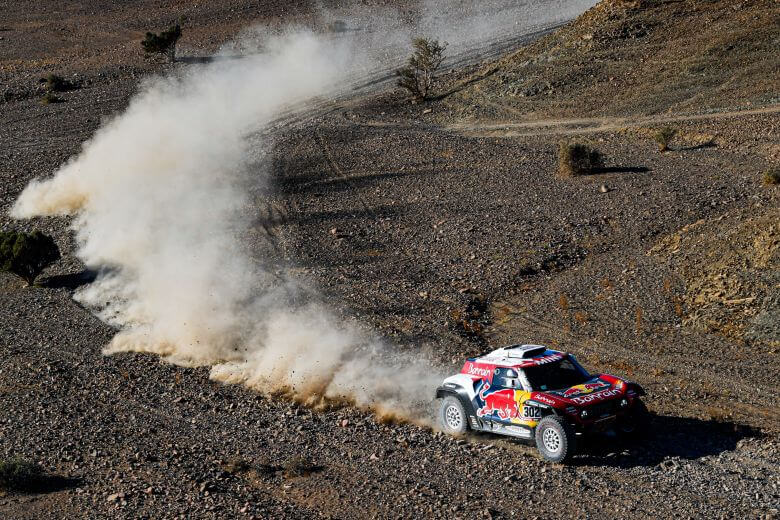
[{"x": 445, "y": 227}]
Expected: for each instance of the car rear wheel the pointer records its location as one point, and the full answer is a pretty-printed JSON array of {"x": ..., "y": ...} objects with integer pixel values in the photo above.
[
  {"x": 555, "y": 439},
  {"x": 452, "y": 416}
]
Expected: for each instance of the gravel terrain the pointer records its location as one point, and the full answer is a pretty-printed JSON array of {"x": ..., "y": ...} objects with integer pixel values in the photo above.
[{"x": 449, "y": 238}]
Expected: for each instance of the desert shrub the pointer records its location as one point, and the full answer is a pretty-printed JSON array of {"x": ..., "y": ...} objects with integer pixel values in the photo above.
[
  {"x": 163, "y": 43},
  {"x": 20, "y": 475},
  {"x": 419, "y": 74},
  {"x": 577, "y": 159},
  {"x": 50, "y": 97},
  {"x": 772, "y": 175},
  {"x": 338, "y": 26},
  {"x": 663, "y": 137},
  {"x": 471, "y": 319},
  {"x": 55, "y": 83},
  {"x": 26, "y": 254}
]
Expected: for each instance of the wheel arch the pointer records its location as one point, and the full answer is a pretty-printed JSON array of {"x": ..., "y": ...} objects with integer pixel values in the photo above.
[{"x": 459, "y": 393}]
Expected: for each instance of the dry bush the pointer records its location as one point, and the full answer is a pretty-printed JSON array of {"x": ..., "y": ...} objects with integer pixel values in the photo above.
[
  {"x": 663, "y": 137},
  {"x": 772, "y": 175},
  {"x": 20, "y": 475},
  {"x": 55, "y": 83},
  {"x": 470, "y": 320},
  {"x": 26, "y": 254},
  {"x": 163, "y": 43},
  {"x": 49, "y": 98},
  {"x": 578, "y": 159},
  {"x": 419, "y": 74}
]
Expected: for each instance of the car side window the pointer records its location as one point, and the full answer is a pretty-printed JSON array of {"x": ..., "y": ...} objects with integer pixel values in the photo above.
[
  {"x": 526, "y": 385},
  {"x": 508, "y": 378}
]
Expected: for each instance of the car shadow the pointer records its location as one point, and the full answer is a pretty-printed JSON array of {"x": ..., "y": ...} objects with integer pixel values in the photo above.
[
  {"x": 667, "y": 437},
  {"x": 43, "y": 484}
]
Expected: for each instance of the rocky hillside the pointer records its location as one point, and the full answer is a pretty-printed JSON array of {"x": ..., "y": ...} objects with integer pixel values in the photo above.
[{"x": 637, "y": 57}]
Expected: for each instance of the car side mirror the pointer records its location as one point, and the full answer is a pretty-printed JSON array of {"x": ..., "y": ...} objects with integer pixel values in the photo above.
[{"x": 512, "y": 383}]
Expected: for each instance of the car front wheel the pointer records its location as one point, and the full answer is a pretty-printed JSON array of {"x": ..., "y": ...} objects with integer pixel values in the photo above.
[
  {"x": 452, "y": 416},
  {"x": 636, "y": 421},
  {"x": 555, "y": 439}
]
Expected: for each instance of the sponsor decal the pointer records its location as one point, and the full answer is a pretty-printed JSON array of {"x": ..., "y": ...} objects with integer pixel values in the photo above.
[
  {"x": 547, "y": 359},
  {"x": 474, "y": 370},
  {"x": 532, "y": 412},
  {"x": 543, "y": 399},
  {"x": 506, "y": 405},
  {"x": 585, "y": 399},
  {"x": 517, "y": 429},
  {"x": 585, "y": 388}
]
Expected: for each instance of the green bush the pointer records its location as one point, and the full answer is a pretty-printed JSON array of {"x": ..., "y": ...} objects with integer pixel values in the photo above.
[
  {"x": 772, "y": 175},
  {"x": 19, "y": 475},
  {"x": 419, "y": 74},
  {"x": 163, "y": 43},
  {"x": 54, "y": 83},
  {"x": 26, "y": 254},
  {"x": 577, "y": 159},
  {"x": 663, "y": 137},
  {"x": 50, "y": 97}
]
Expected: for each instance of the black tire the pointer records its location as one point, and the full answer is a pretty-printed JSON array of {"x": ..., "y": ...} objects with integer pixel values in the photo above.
[
  {"x": 452, "y": 417},
  {"x": 555, "y": 439},
  {"x": 635, "y": 422}
]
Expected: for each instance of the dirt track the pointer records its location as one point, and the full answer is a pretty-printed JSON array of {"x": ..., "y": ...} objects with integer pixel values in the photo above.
[{"x": 584, "y": 126}]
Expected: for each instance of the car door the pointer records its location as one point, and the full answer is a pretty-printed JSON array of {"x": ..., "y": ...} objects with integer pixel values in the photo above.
[{"x": 499, "y": 400}]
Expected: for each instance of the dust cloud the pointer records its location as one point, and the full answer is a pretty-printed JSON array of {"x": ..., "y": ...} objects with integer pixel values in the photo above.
[{"x": 159, "y": 201}]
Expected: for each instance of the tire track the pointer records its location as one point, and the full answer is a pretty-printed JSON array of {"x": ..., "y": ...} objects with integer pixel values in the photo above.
[{"x": 591, "y": 125}]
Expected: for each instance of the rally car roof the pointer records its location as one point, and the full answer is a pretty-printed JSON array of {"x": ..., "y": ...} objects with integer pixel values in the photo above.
[{"x": 519, "y": 356}]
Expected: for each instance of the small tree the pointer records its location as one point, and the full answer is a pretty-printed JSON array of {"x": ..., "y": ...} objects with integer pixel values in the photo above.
[
  {"x": 663, "y": 137},
  {"x": 50, "y": 97},
  {"x": 577, "y": 159},
  {"x": 20, "y": 475},
  {"x": 26, "y": 254},
  {"x": 419, "y": 74},
  {"x": 772, "y": 175},
  {"x": 163, "y": 43}
]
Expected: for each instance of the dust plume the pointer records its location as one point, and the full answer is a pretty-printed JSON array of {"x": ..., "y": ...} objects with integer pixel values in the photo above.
[
  {"x": 160, "y": 204},
  {"x": 160, "y": 207}
]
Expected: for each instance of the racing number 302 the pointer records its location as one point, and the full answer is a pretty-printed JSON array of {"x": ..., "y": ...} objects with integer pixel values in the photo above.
[{"x": 532, "y": 412}]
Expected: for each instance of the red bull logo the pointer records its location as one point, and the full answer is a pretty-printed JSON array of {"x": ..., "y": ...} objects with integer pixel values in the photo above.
[
  {"x": 501, "y": 402},
  {"x": 585, "y": 388}
]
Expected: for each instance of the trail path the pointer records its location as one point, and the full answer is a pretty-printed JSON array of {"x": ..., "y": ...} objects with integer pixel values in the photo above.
[{"x": 594, "y": 124}]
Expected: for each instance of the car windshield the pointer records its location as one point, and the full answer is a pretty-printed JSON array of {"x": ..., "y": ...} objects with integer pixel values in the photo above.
[{"x": 556, "y": 375}]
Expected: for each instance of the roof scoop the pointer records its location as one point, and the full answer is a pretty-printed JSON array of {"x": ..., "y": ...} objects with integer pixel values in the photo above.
[{"x": 519, "y": 351}]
